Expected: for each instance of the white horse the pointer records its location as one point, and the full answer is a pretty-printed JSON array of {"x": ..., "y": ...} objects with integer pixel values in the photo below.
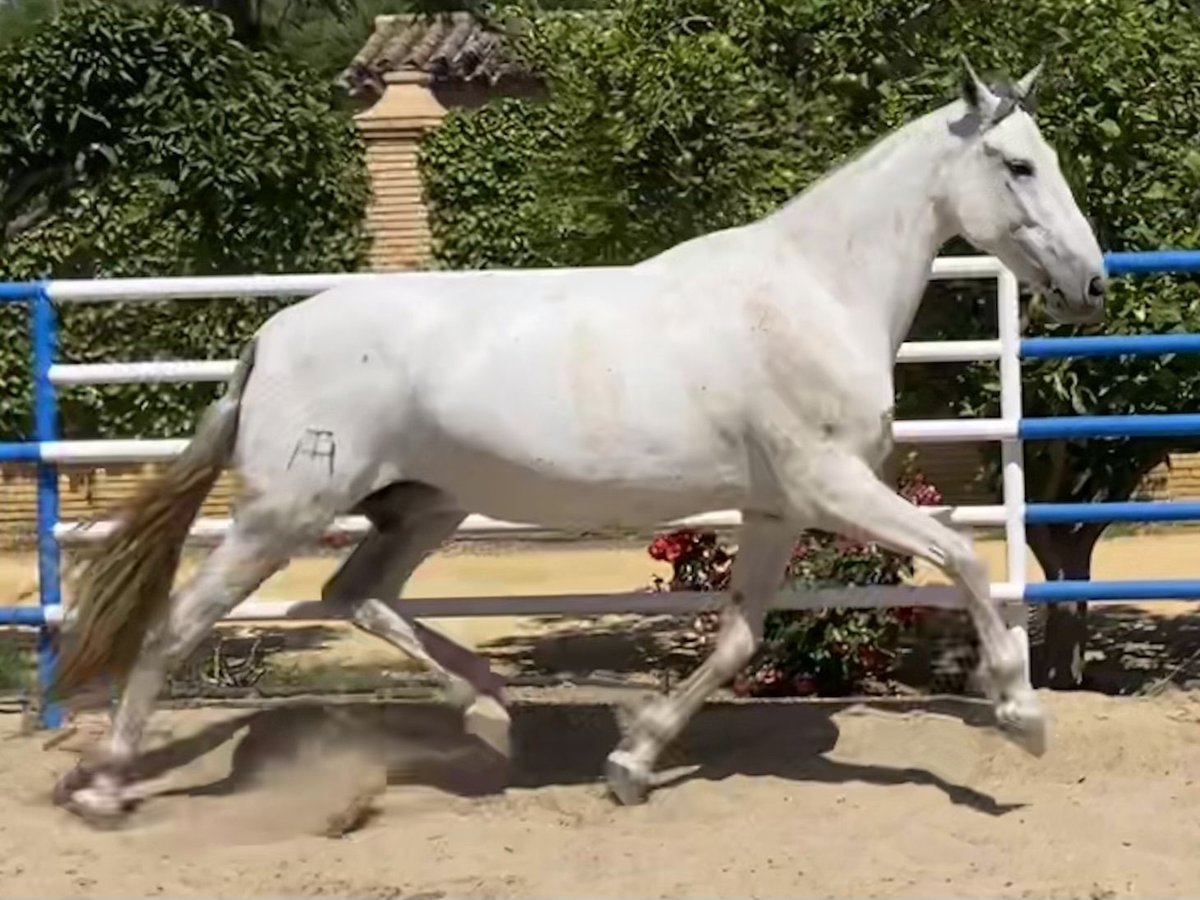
[{"x": 749, "y": 369}]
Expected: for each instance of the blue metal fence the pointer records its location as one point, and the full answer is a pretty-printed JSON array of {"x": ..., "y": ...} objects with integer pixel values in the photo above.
[{"x": 44, "y": 338}]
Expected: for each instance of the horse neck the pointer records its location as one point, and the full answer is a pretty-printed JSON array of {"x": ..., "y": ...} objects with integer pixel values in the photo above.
[{"x": 871, "y": 230}]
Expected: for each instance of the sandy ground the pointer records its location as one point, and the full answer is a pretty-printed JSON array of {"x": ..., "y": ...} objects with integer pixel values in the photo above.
[{"x": 793, "y": 799}]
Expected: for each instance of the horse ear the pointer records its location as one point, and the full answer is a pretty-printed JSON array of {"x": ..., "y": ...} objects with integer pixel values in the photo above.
[
  {"x": 978, "y": 96},
  {"x": 1026, "y": 86}
]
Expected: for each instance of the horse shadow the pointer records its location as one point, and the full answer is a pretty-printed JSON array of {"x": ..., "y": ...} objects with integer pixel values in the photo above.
[
  {"x": 592, "y": 646},
  {"x": 557, "y": 744}
]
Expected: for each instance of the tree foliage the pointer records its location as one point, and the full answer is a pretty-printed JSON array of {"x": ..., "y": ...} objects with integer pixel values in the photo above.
[
  {"x": 19, "y": 18},
  {"x": 324, "y": 35},
  {"x": 264, "y": 22},
  {"x": 141, "y": 139},
  {"x": 659, "y": 127}
]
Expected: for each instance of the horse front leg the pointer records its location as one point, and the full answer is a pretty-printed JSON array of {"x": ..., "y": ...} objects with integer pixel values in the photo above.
[
  {"x": 846, "y": 497},
  {"x": 764, "y": 549}
]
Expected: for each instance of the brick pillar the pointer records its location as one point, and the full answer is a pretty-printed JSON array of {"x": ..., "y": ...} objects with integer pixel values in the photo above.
[{"x": 392, "y": 129}]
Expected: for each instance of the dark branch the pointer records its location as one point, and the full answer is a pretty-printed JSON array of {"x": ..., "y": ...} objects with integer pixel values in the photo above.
[
  {"x": 39, "y": 209},
  {"x": 38, "y": 213},
  {"x": 17, "y": 192}
]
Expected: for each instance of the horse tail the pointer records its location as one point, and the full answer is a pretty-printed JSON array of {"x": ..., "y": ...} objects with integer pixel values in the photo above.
[{"x": 123, "y": 588}]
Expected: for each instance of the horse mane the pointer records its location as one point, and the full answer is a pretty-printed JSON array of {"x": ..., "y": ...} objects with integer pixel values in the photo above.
[{"x": 868, "y": 155}]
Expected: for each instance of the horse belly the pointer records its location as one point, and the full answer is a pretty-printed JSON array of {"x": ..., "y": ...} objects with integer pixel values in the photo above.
[
  {"x": 562, "y": 496},
  {"x": 566, "y": 443}
]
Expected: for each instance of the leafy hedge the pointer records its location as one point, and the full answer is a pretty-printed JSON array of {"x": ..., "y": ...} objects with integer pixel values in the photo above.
[
  {"x": 141, "y": 139},
  {"x": 478, "y": 210},
  {"x": 646, "y": 141}
]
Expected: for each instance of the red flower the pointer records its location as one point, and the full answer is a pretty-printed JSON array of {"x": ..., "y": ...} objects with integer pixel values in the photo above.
[
  {"x": 920, "y": 492},
  {"x": 848, "y": 546},
  {"x": 671, "y": 547},
  {"x": 659, "y": 548}
]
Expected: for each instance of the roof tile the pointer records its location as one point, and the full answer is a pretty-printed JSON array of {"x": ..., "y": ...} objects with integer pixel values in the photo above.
[{"x": 453, "y": 46}]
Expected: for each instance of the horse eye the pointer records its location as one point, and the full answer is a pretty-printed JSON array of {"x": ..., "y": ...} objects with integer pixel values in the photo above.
[{"x": 1019, "y": 168}]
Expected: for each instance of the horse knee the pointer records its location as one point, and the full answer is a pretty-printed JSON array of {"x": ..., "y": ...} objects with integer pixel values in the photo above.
[
  {"x": 367, "y": 614},
  {"x": 960, "y": 559},
  {"x": 974, "y": 573},
  {"x": 738, "y": 640}
]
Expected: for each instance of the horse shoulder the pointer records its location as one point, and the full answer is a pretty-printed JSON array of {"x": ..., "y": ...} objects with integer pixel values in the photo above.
[{"x": 819, "y": 381}]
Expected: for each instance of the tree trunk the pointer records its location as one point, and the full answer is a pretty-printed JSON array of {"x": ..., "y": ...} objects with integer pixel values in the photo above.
[{"x": 1056, "y": 661}]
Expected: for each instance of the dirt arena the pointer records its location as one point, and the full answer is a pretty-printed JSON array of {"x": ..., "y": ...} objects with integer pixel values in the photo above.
[
  {"x": 887, "y": 799},
  {"x": 790, "y": 800}
]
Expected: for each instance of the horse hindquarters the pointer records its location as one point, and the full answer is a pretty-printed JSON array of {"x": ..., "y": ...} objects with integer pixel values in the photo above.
[{"x": 132, "y": 625}]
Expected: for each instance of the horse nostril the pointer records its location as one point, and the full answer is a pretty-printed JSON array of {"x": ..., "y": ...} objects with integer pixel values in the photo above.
[{"x": 1096, "y": 287}]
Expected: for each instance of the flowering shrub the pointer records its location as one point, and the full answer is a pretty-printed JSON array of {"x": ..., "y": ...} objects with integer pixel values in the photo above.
[{"x": 828, "y": 651}]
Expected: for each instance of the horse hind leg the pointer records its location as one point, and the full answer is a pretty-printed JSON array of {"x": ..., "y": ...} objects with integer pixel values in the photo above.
[
  {"x": 409, "y": 522},
  {"x": 254, "y": 549}
]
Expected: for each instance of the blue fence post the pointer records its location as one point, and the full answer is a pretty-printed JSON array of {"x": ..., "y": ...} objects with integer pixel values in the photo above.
[{"x": 45, "y": 428}]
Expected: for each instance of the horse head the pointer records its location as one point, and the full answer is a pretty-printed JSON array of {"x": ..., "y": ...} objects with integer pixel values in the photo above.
[{"x": 1007, "y": 196}]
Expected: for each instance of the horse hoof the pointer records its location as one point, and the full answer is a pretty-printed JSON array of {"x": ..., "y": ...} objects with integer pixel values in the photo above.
[
  {"x": 460, "y": 693},
  {"x": 99, "y": 809},
  {"x": 1023, "y": 721},
  {"x": 75, "y": 780},
  {"x": 102, "y": 806},
  {"x": 488, "y": 720},
  {"x": 628, "y": 780}
]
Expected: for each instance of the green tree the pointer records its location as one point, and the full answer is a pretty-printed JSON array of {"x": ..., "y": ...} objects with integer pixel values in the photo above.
[
  {"x": 142, "y": 139},
  {"x": 669, "y": 118},
  {"x": 657, "y": 130},
  {"x": 258, "y": 22},
  {"x": 20, "y": 17},
  {"x": 323, "y": 35}
]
